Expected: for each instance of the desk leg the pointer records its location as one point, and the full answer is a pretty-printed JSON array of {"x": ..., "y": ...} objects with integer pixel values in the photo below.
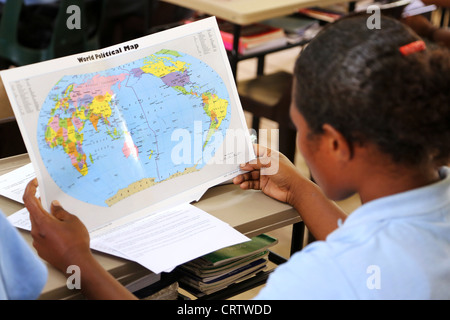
[
  {"x": 235, "y": 52},
  {"x": 351, "y": 6},
  {"x": 298, "y": 233},
  {"x": 260, "y": 69}
]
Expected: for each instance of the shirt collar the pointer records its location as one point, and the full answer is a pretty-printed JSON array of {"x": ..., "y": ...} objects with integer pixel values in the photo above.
[{"x": 413, "y": 202}]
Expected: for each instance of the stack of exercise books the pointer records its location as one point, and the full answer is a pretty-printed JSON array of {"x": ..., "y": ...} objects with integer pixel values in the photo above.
[
  {"x": 219, "y": 269},
  {"x": 322, "y": 14},
  {"x": 254, "y": 38}
]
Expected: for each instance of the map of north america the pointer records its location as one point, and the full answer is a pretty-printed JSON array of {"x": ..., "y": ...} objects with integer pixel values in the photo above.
[{"x": 106, "y": 135}]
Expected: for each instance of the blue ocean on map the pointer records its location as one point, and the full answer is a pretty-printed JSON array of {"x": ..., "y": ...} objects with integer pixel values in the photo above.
[{"x": 102, "y": 134}]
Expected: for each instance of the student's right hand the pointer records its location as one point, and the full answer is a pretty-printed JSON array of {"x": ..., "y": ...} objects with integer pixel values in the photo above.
[
  {"x": 59, "y": 237},
  {"x": 271, "y": 172}
]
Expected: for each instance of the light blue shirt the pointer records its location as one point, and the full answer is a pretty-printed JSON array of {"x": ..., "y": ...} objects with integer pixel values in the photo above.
[
  {"x": 396, "y": 247},
  {"x": 22, "y": 273}
]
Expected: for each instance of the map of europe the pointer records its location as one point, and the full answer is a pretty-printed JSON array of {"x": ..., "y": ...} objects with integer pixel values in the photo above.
[{"x": 106, "y": 135}]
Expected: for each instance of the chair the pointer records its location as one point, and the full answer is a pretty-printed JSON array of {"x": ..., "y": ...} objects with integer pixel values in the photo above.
[
  {"x": 64, "y": 41},
  {"x": 126, "y": 20},
  {"x": 269, "y": 96}
]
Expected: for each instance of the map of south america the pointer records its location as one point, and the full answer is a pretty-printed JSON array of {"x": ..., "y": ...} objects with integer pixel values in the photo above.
[{"x": 104, "y": 136}]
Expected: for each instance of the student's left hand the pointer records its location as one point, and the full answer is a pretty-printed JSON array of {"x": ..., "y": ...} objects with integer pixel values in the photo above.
[
  {"x": 60, "y": 237},
  {"x": 273, "y": 173}
]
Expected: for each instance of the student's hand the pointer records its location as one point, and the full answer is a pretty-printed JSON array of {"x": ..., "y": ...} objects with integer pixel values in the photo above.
[
  {"x": 277, "y": 177},
  {"x": 60, "y": 237},
  {"x": 271, "y": 172}
]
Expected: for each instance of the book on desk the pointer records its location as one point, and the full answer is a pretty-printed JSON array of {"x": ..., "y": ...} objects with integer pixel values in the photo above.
[
  {"x": 254, "y": 37},
  {"x": 222, "y": 268},
  {"x": 322, "y": 14},
  {"x": 208, "y": 274},
  {"x": 268, "y": 34}
]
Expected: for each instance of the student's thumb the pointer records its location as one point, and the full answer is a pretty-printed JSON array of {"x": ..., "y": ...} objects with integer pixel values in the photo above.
[{"x": 58, "y": 211}]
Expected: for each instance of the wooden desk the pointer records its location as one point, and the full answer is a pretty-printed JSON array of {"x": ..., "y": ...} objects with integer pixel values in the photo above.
[
  {"x": 250, "y": 212},
  {"x": 244, "y": 12}
]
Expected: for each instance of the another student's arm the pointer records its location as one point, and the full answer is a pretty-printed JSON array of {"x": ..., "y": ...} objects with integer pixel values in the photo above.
[
  {"x": 440, "y": 3},
  {"x": 424, "y": 28},
  {"x": 442, "y": 37},
  {"x": 61, "y": 239},
  {"x": 277, "y": 177}
]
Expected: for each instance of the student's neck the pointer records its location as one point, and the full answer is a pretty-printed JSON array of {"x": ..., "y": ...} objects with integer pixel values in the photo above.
[{"x": 389, "y": 180}]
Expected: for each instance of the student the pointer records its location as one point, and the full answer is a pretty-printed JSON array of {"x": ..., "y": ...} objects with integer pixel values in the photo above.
[
  {"x": 372, "y": 113},
  {"x": 22, "y": 274},
  {"x": 371, "y": 120}
]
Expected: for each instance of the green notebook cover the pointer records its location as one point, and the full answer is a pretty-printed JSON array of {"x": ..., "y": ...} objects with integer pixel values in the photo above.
[
  {"x": 204, "y": 270},
  {"x": 258, "y": 243}
]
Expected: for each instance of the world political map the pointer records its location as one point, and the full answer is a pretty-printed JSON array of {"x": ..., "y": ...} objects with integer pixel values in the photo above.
[{"x": 106, "y": 135}]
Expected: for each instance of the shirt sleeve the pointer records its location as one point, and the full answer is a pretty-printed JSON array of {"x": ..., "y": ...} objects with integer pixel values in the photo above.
[{"x": 22, "y": 274}]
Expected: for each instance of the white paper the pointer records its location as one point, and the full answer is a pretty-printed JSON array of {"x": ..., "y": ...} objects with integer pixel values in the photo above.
[
  {"x": 164, "y": 240},
  {"x": 13, "y": 184},
  {"x": 160, "y": 241},
  {"x": 20, "y": 219}
]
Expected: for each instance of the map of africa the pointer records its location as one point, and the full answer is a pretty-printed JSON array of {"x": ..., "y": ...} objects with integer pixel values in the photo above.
[{"x": 106, "y": 135}]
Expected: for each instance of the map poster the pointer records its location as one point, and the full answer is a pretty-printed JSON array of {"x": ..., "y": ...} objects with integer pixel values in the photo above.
[{"x": 145, "y": 124}]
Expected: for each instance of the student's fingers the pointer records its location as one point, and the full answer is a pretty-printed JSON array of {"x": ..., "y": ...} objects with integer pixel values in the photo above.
[
  {"x": 257, "y": 164},
  {"x": 263, "y": 159},
  {"x": 260, "y": 164},
  {"x": 262, "y": 152},
  {"x": 41, "y": 220},
  {"x": 252, "y": 175},
  {"x": 250, "y": 184},
  {"x": 30, "y": 191},
  {"x": 249, "y": 180},
  {"x": 33, "y": 204},
  {"x": 58, "y": 211}
]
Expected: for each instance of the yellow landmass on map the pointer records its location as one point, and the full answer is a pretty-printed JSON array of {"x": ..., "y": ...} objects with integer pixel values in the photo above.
[
  {"x": 133, "y": 188},
  {"x": 101, "y": 105},
  {"x": 158, "y": 68}
]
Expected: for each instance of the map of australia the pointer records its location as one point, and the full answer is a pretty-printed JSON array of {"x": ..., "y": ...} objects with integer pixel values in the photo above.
[{"x": 106, "y": 135}]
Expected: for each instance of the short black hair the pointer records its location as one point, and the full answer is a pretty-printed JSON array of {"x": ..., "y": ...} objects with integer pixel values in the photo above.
[{"x": 357, "y": 80}]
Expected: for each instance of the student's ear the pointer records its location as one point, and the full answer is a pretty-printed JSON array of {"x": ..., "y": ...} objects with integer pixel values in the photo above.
[{"x": 337, "y": 145}]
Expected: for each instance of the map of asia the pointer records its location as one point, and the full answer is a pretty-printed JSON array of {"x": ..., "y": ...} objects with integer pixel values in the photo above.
[{"x": 106, "y": 135}]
